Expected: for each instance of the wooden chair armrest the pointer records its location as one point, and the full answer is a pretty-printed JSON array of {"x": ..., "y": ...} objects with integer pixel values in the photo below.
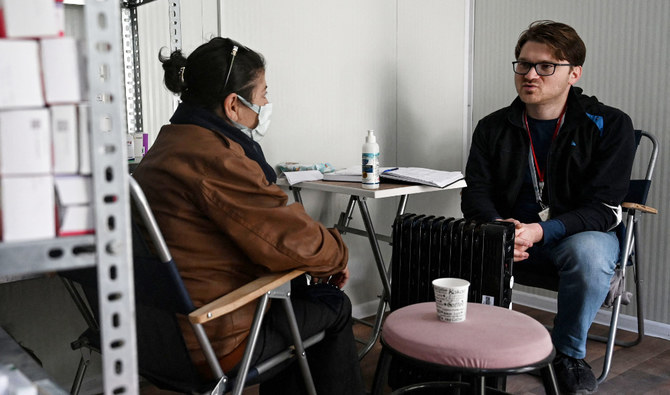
[
  {"x": 241, "y": 296},
  {"x": 640, "y": 207}
]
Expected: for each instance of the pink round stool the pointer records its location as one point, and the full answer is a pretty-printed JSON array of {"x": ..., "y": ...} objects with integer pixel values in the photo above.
[{"x": 492, "y": 341}]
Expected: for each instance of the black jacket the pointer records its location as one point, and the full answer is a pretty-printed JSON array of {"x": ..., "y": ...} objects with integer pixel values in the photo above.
[{"x": 589, "y": 164}]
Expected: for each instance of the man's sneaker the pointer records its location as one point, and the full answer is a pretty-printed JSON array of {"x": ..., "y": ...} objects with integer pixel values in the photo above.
[{"x": 574, "y": 376}]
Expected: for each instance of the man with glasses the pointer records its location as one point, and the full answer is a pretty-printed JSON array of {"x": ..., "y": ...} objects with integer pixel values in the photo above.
[{"x": 556, "y": 163}]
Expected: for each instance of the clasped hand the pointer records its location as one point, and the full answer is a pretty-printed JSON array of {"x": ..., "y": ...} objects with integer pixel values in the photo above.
[
  {"x": 338, "y": 279},
  {"x": 525, "y": 235}
]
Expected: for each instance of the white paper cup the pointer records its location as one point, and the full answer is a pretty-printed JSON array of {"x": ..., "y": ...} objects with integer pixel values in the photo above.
[{"x": 451, "y": 298}]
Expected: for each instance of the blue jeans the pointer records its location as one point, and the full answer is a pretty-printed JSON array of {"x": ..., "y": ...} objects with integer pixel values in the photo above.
[{"x": 585, "y": 262}]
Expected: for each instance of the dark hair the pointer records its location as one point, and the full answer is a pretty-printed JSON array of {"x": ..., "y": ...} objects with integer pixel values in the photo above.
[
  {"x": 200, "y": 78},
  {"x": 563, "y": 40}
]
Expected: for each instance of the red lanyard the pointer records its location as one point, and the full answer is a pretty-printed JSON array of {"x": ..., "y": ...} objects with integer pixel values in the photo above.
[{"x": 559, "y": 122}]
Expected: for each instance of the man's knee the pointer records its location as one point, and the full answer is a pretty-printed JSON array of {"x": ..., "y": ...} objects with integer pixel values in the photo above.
[{"x": 588, "y": 253}]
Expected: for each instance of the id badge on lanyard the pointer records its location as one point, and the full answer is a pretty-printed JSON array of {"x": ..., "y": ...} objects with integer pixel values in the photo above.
[
  {"x": 535, "y": 173},
  {"x": 538, "y": 186}
]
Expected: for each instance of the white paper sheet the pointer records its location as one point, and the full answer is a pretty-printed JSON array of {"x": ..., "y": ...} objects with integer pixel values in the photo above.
[{"x": 294, "y": 177}]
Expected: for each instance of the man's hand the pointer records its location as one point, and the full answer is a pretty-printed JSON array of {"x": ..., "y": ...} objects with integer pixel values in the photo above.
[
  {"x": 525, "y": 236},
  {"x": 530, "y": 232}
]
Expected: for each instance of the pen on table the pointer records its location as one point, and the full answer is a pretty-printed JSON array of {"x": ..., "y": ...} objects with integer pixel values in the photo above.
[{"x": 391, "y": 169}]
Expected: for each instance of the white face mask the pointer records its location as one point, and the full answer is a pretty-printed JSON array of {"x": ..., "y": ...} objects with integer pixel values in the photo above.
[{"x": 263, "y": 112}]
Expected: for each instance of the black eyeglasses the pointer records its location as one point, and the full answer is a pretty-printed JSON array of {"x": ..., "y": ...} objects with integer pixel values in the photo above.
[{"x": 543, "y": 69}]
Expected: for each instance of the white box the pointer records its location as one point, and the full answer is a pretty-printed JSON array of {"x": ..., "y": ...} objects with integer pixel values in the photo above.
[
  {"x": 28, "y": 208},
  {"x": 65, "y": 139},
  {"x": 83, "y": 111},
  {"x": 25, "y": 142},
  {"x": 29, "y": 18},
  {"x": 75, "y": 212},
  {"x": 75, "y": 221},
  {"x": 60, "y": 70},
  {"x": 20, "y": 77},
  {"x": 73, "y": 190}
]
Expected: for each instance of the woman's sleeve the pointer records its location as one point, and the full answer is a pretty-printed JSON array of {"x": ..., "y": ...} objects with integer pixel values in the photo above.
[{"x": 255, "y": 216}]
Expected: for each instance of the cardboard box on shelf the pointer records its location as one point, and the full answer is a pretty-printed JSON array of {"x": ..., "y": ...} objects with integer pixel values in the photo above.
[
  {"x": 25, "y": 142},
  {"x": 60, "y": 70},
  {"x": 73, "y": 190},
  {"x": 65, "y": 138},
  {"x": 28, "y": 18},
  {"x": 28, "y": 208},
  {"x": 75, "y": 221},
  {"x": 20, "y": 76},
  {"x": 74, "y": 198}
]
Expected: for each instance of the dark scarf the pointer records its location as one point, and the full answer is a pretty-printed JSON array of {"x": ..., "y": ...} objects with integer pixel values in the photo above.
[{"x": 187, "y": 114}]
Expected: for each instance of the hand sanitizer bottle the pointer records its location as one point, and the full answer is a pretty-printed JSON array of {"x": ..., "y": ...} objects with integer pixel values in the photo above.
[{"x": 370, "y": 170}]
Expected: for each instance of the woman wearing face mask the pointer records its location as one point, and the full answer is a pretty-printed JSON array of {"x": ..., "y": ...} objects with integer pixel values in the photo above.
[{"x": 226, "y": 222}]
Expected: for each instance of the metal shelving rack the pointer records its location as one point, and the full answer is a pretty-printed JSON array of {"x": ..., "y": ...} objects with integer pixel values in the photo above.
[
  {"x": 111, "y": 196},
  {"x": 109, "y": 249},
  {"x": 131, "y": 56},
  {"x": 116, "y": 109}
]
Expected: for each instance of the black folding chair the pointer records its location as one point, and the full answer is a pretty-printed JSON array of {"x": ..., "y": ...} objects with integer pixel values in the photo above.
[
  {"x": 545, "y": 276},
  {"x": 160, "y": 295}
]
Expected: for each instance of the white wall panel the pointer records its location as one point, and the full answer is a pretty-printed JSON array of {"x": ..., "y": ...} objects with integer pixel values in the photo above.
[
  {"x": 626, "y": 66},
  {"x": 431, "y": 103},
  {"x": 330, "y": 72}
]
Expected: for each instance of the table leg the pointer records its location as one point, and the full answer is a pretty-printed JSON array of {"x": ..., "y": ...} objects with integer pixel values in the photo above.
[
  {"x": 402, "y": 204},
  {"x": 296, "y": 194},
  {"x": 345, "y": 216},
  {"x": 376, "y": 327},
  {"x": 379, "y": 260}
]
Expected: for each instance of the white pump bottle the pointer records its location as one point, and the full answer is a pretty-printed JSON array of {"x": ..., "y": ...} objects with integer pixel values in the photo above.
[{"x": 370, "y": 168}]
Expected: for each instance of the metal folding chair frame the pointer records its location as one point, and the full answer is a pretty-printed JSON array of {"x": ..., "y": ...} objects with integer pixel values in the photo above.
[
  {"x": 630, "y": 250},
  {"x": 280, "y": 289},
  {"x": 630, "y": 246},
  {"x": 274, "y": 286}
]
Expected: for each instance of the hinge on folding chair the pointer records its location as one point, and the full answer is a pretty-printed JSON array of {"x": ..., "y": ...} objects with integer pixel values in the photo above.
[
  {"x": 281, "y": 292},
  {"x": 221, "y": 386}
]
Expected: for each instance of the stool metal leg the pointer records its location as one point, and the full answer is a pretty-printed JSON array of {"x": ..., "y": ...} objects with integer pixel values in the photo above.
[
  {"x": 381, "y": 374},
  {"x": 480, "y": 386},
  {"x": 549, "y": 380}
]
